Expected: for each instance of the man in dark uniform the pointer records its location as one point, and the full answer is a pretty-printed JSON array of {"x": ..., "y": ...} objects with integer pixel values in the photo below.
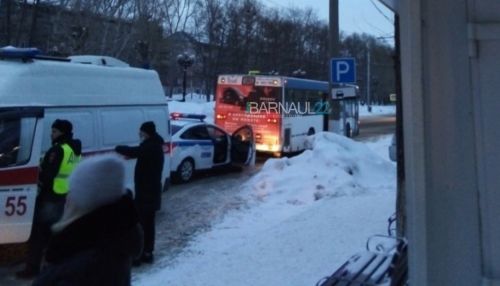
[
  {"x": 148, "y": 183},
  {"x": 56, "y": 166}
]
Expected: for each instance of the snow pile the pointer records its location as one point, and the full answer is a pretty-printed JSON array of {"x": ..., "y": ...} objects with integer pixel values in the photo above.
[
  {"x": 336, "y": 166},
  {"x": 194, "y": 107},
  {"x": 305, "y": 216},
  {"x": 379, "y": 145}
]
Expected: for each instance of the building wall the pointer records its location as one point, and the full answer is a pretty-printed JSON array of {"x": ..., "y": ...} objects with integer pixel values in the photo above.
[
  {"x": 484, "y": 46},
  {"x": 451, "y": 72}
]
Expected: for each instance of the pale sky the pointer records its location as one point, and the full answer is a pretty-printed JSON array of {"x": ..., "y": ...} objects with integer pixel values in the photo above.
[{"x": 359, "y": 16}]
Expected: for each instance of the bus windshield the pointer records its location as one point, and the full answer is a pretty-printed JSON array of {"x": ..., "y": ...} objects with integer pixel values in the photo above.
[
  {"x": 264, "y": 94},
  {"x": 242, "y": 96}
]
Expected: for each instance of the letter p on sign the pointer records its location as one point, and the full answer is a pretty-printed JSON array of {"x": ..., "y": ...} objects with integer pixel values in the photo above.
[{"x": 343, "y": 70}]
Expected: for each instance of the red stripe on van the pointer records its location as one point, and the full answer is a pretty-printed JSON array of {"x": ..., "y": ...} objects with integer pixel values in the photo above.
[
  {"x": 22, "y": 176},
  {"x": 100, "y": 152}
]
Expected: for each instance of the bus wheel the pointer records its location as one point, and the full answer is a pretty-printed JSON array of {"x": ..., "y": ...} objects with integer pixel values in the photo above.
[
  {"x": 185, "y": 171},
  {"x": 311, "y": 131},
  {"x": 348, "y": 130}
]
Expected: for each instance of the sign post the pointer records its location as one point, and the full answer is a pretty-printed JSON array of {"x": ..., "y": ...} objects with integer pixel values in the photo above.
[{"x": 342, "y": 71}]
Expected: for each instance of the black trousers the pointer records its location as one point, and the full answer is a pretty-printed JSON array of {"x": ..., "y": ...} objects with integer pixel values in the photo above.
[
  {"x": 46, "y": 214},
  {"x": 147, "y": 219}
]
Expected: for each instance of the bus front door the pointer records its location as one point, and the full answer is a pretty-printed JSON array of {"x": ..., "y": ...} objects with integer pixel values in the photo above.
[{"x": 20, "y": 147}]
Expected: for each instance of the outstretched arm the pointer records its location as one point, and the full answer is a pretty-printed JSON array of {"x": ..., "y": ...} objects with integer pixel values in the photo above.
[{"x": 131, "y": 152}]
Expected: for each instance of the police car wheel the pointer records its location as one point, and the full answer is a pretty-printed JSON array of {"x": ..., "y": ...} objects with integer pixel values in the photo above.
[{"x": 185, "y": 170}]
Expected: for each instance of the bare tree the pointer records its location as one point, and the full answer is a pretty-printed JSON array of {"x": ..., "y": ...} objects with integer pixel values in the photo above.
[
  {"x": 210, "y": 31},
  {"x": 177, "y": 14}
]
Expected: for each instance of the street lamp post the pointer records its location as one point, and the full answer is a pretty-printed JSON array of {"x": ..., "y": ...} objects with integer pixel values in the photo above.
[
  {"x": 142, "y": 47},
  {"x": 185, "y": 60}
]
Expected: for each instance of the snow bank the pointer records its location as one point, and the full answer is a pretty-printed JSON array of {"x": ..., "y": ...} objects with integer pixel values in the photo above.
[
  {"x": 336, "y": 166},
  {"x": 377, "y": 110}
]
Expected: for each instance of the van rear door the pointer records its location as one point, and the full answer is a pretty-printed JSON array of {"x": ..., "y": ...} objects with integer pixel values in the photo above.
[{"x": 20, "y": 147}]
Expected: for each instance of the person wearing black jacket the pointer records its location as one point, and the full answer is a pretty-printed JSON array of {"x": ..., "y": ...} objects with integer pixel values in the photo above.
[
  {"x": 148, "y": 182},
  {"x": 99, "y": 233},
  {"x": 56, "y": 166}
]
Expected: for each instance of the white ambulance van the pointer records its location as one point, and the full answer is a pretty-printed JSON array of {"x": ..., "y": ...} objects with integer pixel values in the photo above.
[{"x": 106, "y": 104}]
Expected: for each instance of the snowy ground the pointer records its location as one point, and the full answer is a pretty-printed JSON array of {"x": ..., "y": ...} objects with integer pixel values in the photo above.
[
  {"x": 305, "y": 216},
  {"x": 302, "y": 216},
  {"x": 377, "y": 110}
]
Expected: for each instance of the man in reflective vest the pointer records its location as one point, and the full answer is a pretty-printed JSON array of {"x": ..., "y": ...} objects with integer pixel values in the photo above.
[{"x": 56, "y": 166}]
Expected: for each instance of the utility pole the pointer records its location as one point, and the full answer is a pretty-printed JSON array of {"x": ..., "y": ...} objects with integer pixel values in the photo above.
[
  {"x": 334, "y": 43},
  {"x": 334, "y": 28},
  {"x": 368, "y": 77},
  {"x": 401, "y": 192}
]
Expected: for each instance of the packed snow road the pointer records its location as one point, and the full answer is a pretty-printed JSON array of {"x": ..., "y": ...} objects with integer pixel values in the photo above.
[
  {"x": 192, "y": 208},
  {"x": 186, "y": 209}
]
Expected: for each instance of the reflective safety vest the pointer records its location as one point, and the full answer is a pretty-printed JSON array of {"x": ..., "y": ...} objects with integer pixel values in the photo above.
[{"x": 68, "y": 163}]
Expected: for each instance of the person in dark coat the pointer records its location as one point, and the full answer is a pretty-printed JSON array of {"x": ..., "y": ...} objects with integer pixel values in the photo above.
[
  {"x": 148, "y": 182},
  {"x": 99, "y": 233},
  {"x": 55, "y": 168}
]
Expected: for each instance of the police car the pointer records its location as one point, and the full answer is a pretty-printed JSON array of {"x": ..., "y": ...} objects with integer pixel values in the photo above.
[{"x": 198, "y": 145}]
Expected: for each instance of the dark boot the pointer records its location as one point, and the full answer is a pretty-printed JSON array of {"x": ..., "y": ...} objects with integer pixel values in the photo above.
[
  {"x": 137, "y": 262},
  {"x": 147, "y": 257}
]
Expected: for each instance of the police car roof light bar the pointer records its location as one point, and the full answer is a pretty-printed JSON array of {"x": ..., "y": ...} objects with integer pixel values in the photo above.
[
  {"x": 25, "y": 54},
  {"x": 178, "y": 115},
  {"x": 13, "y": 52}
]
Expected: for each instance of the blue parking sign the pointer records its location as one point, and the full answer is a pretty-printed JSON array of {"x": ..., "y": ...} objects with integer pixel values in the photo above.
[{"x": 343, "y": 70}]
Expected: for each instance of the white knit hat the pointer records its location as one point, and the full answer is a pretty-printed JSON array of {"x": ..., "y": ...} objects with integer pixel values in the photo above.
[{"x": 95, "y": 182}]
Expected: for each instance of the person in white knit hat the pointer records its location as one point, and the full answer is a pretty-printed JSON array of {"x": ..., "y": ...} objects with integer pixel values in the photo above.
[{"x": 99, "y": 233}]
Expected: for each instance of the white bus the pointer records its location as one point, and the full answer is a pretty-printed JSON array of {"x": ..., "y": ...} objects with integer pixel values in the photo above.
[
  {"x": 282, "y": 111},
  {"x": 106, "y": 104}
]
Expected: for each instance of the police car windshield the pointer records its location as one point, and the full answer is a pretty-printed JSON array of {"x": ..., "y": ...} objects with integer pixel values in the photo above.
[{"x": 176, "y": 128}]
